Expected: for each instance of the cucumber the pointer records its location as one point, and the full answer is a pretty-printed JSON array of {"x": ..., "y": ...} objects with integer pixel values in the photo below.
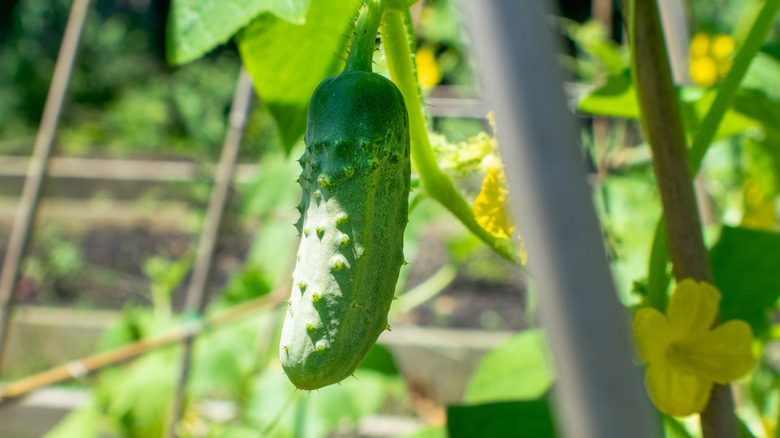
[{"x": 355, "y": 183}]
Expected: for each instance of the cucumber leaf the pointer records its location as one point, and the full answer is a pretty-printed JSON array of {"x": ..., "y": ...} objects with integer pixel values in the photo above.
[
  {"x": 616, "y": 98},
  {"x": 745, "y": 264},
  {"x": 287, "y": 61},
  {"x": 197, "y": 26},
  {"x": 518, "y": 419},
  {"x": 518, "y": 369}
]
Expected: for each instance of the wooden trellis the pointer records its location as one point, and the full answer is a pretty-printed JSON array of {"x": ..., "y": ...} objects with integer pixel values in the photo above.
[{"x": 25, "y": 217}]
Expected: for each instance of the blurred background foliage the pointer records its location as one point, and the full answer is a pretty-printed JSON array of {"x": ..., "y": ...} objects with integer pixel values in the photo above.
[{"x": 123, "y": 100}]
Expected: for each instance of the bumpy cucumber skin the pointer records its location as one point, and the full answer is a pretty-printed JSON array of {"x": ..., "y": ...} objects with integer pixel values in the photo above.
[{"x": 354, "y": 209}]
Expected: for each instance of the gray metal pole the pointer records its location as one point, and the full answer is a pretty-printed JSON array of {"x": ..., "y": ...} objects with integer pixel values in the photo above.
[
  {"x": 28, "y": 204},
  {"x": 675, "y": 25},
  {"x": 599, "y": 393}
]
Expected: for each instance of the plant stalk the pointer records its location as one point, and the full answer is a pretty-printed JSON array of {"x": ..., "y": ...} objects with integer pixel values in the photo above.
[
  {"x": 401, "y": 66},
  {"x": 361, "y": 52},
  {"x": 664, "y": 130}
]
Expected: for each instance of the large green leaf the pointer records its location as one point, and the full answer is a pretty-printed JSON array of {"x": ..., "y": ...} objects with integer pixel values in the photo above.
[
  {"x": 745, "y": 265},
  {"x": 528, "y": 419},
  {"x": 520, "y": 368},
  {"x": 197, "y": 26},
  {"x": 288, "y": 61}
]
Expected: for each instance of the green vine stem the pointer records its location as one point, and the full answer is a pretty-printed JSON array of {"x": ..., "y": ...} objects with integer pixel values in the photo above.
[
  {"x": 663, "y": 127},
  {"x": 398, "y": 52},
  {"x": 361, "y": 52}
]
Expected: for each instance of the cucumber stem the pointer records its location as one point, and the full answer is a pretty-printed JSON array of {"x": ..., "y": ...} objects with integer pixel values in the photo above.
[
  {"x": 395, "y": 41},
  {"x": 361, "y": 52}
]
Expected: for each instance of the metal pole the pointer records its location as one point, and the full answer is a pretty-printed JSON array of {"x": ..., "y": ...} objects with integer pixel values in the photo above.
[
  {"x": 599, "y": 393},
  {"x": 25, "y": 216},
  {"x": 196, "y": 294},
  {"x": 675, "y": 25}
]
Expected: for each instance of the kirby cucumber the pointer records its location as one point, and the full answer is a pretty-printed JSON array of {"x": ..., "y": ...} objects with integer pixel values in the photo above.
[{"x": 355, "y": 183}]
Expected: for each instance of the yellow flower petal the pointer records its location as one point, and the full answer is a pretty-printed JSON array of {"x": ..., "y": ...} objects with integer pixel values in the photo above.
[
  {"x": 651, "y": 330},
  {"x": 489, "y": 207},
  {"x": 428, "y": 73},
  {"x": 704, "y": 71},
  {"x": 692, "y": 309},
  {"x": 722, "y": 355},
  {"x": 722, "y": 47},
  {"x": 675, "y": 392}
]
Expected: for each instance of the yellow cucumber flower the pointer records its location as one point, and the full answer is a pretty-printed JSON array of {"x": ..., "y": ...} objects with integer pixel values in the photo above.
[
  {"x": 490, "y": 205},
  {"x": 428, "y": 72},
  {"x": 490, "y": 209},
  {"x": 710, "y": 58},
  {"x": 685, "y": 354}
]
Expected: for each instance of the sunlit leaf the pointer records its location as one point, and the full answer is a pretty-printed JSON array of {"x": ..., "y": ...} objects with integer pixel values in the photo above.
[
  {"x": 745, "y": 264},
  {"x": 519, "y": 369},
  {"x": 287, "y": 61},
  {"x": 197, "y": 26},
  {"x": 615, "y": 98}
]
